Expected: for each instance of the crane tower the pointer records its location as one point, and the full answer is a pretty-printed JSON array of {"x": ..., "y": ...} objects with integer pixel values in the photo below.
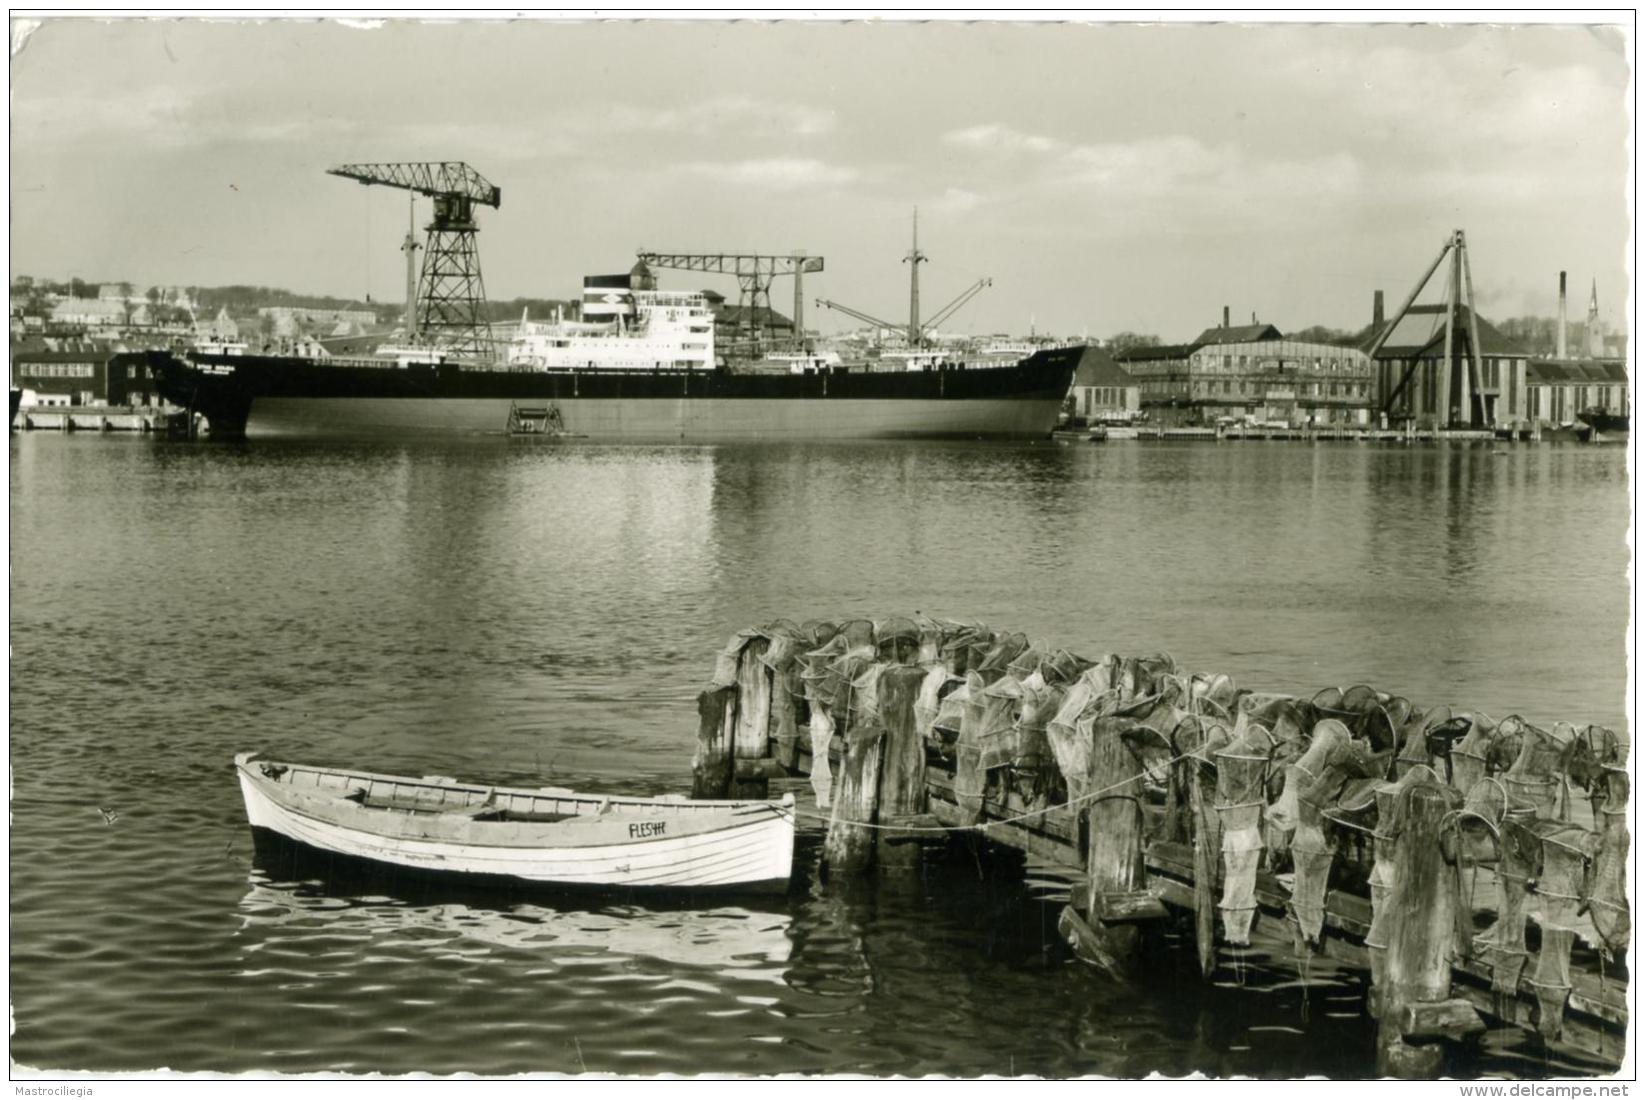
[{"x": 450, "y": 310}]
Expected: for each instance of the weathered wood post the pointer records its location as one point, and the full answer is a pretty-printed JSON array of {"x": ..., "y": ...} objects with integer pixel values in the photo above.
[
  {"x": 1116, "y": 896},
  {"x": 751, "y": 743},
  {"x": 1416, "y": 1005},
  {"x": 787, "y": 692},
  {"x": 711, "y": 764},
  {"x": 969, "y": 776},
  {"x": 902, "y": 766},
  {"x": 849, "y": 846}
]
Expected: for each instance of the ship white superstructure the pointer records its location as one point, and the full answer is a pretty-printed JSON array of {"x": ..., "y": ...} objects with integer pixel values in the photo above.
[{"x": 621, "y": 329}]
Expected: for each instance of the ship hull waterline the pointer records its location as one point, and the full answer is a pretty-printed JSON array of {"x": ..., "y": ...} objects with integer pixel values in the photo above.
[
  {"x": 689, "y": 419},
  {"x": 268, "y": 396}
]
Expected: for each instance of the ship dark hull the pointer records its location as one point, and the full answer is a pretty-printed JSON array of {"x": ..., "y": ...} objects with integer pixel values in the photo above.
[{"x": 264, "y": 396}]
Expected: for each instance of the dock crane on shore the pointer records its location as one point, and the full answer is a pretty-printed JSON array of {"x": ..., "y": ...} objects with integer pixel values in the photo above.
[
  {"x": 1469, "y": 402},
  {"x": 918, "y": 332},
  {"x": 450, "y": 310}
]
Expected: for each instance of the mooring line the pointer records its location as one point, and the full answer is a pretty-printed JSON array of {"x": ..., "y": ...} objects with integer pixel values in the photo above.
[{"x": 980, "y": 826}]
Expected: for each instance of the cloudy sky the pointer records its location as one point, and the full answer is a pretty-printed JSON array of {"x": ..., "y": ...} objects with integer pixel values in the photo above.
[{"x": 1106, "y": 177}]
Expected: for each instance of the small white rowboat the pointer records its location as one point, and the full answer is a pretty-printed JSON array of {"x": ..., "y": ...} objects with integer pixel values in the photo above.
[{"x": 546, "y": 835}]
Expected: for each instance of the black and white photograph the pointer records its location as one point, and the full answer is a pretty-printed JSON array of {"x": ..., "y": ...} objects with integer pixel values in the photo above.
[{"x": 885, "y": 546}]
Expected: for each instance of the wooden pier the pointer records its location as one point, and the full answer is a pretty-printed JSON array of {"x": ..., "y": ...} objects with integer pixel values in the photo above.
[
  {"x": 1474, "y": 867},
  {"x": 100, "y": 418}
]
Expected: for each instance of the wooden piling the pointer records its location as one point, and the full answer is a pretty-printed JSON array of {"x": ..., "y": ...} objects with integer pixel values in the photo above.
[
  {"x": 711, "y": 765},
  {"x": 902, "y": 766},
  {"x": 849, "y": 847},
  {"x": 896, "y": 766},
  {"x": 1116, "y": 879},
  {"x": 787, "y": 692},
  {"x": 969, "y": 775},
  {"x": 752, "y": 737},
  {"x": 1422, "y": 900}
]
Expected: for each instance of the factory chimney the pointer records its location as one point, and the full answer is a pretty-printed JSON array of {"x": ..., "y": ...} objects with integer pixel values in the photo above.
[
  {"x": 1559, "y": 338},
  {"x": 1224, "y": 316},
  {"x": 1377, "y": 319}
]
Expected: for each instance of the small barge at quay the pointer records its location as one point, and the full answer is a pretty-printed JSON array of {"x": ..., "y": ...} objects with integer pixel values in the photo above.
[{"x": 549, "y": 836}]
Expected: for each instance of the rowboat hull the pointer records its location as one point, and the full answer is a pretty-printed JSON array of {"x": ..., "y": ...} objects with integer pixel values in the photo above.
[{"x": 546, "y": 836}]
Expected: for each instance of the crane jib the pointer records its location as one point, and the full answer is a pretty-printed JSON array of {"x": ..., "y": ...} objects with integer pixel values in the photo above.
[{"x": 433, "y": 178}]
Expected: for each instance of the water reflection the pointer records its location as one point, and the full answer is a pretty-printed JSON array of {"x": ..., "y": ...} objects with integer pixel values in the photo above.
[{"x": 739, "y": 939}]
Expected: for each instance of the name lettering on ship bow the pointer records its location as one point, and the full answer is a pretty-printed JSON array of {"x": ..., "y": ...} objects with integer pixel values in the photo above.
[{"x": 647, "y": 828}]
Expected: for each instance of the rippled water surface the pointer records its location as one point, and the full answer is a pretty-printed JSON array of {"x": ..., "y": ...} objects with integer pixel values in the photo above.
[{"x": 547, "y": 613}]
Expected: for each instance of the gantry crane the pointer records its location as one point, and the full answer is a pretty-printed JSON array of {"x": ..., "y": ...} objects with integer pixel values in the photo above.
[
  {"x": 918, "y": 332},
  {"x": 755, "y": 273},
  {"x": 451, "y": 304}
]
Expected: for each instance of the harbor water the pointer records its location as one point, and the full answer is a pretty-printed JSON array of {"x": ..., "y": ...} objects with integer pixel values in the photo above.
[{"x": 534, "y": 612}]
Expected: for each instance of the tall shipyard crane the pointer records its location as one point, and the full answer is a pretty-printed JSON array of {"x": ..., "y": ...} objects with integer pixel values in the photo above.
[
  {"x": 918, "y": 332},
  {"x": 755, "y": 273},
  {"x": 450, "y": 310}
]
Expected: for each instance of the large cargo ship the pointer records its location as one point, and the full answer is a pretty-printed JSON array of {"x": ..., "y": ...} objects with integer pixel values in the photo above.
[{"x": 638, "y": 364}]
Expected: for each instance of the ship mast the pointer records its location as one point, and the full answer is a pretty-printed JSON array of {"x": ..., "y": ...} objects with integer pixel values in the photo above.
[
  {"x": 410, "y": 248},
  {"x": 914, "y": 259}
]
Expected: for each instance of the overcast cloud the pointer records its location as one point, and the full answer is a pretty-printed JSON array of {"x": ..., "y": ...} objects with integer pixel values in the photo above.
[{"x": 1106, "y": 177}]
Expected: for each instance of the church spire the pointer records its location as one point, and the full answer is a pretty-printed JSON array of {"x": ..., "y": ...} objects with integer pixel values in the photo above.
[{"x": 1596, "y": 339}]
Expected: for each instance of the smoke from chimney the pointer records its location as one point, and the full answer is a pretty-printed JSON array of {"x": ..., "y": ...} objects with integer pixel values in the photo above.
[{"x": 1560, "y": 338}]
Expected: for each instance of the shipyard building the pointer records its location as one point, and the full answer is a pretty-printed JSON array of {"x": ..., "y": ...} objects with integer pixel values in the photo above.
[
  {"x": 1253, "y": 373},
  {"x": 1413, "y": 384},
  {"x": 1102, "y": 388}
]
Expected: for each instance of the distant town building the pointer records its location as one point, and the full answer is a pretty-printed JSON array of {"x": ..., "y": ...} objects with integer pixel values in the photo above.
[
  {"x": 224, "y": 327},
  {"x": 111, "y": 292},
  {"x": 1252, "y": 372},
  {"x": 1557, "y": 389},
  {"x": 289, "y": 320},
  {"x": 1409, "y": 370},
  {"x": 1101, "y": 386},
  {"x": 89, "y": 311}
]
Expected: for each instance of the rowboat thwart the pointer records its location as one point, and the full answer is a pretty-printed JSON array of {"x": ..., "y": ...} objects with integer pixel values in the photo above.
[{"x": 544, "y": 835}]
